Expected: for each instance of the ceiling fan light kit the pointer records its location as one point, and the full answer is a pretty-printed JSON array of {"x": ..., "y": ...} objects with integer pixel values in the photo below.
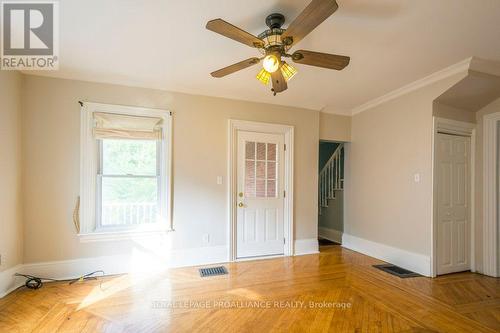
[
  {"x": 264, "y": 76},
  {"x": 275, "y": 42},
  {"x": 288, "y": 71},
  {"x": 271, "y": 63}
]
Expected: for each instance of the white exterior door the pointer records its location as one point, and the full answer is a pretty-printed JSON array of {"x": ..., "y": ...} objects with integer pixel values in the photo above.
[
  {"x": 260, "y": 202},
  {"x": 453, "y": 220}
]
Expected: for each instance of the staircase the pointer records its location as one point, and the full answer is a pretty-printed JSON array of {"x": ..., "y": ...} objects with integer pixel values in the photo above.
[{"x": 331, "y": 178}]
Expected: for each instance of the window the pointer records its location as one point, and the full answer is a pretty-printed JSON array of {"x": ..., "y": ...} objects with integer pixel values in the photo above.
[
  {"x": 125, "y": 170},
  {"x": 127, "y": 183},
  {"x": 260, "y": 170}
]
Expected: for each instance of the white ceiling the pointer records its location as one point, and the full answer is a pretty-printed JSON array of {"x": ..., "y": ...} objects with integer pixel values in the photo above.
[{"x": 164, "y": 45}]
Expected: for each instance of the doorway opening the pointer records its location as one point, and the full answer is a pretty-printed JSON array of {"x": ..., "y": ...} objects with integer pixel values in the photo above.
[{"x": 331, "y": 192}]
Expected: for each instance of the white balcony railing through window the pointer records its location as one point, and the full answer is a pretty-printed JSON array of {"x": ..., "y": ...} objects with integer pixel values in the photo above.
[{"x": 129, "y": 213}]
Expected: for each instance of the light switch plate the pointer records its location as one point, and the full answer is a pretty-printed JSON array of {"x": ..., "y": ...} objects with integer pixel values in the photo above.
[{"x": 219, "y": 180}]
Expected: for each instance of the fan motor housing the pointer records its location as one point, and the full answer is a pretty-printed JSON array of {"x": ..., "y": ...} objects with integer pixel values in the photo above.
[
  {"x": 271, "y": 37},
  {"x": 275, "y": 20}
]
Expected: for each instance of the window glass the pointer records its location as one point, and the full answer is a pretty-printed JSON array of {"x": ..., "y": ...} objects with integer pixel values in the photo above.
[
  {"x": 260, "y": 170},
  {"x": 129, "y": 201},
  {"x": 129, "y": 157},
  {"x": 129, "y": 182}
]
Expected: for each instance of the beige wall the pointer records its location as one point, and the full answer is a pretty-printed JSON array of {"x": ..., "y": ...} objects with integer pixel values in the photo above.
[
  {"x": 334, "y": 127},
  {"x": 490, "y": 108},
  {"x": 11, "y": 241},
  {"x": 389, "y": 144},
  {"x": 449, "y": 112},
  {"x": 51, "y": 135}
]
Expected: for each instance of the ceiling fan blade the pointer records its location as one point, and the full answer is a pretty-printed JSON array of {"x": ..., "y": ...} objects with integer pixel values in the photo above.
[
  {"x": 230, "y": 31},
  {"x": 235, "y": 67},
  {"x": 279, "y": 82},
  {"x": 312, "y": 16},
  {"x": 318, "y": 59}
]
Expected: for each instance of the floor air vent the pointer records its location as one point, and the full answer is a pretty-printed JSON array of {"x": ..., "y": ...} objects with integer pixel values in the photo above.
[
  {"x": 398, "y": 271},
  {"x": 212, "y": 271}
]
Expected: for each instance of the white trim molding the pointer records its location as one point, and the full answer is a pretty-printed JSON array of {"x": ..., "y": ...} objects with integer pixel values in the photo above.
[
  {"x": 491, "y": 229},
  {"x": 412, "y": 261},
  {"x": 288, "y": 132},
  {"x": 142, "y": 263},
  {"x": 9, "y": 282},
  {"x": 467, "y": 66},
  {"x": 461, "y": 67},
  {"x": 454, "y": 127},
  {"x": 89, "y": 230},
  {"x": 330, "y": 234},
  {"x": 306, "y": 246}
]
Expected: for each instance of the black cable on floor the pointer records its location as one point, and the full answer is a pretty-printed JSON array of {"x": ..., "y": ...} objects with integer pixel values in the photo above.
[
  {"x": 36, "y": 282},
  {"x": 87, "y": 277}
]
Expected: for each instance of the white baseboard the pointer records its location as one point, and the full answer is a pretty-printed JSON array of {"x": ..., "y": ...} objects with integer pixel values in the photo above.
[
  {"x": 306, "y": 246},
  {"x": 330, "y": 234},
  {"x": 138, "y": 262},
  {"x": 415, "y": 262},
  {"x": 8, "y": 282}
]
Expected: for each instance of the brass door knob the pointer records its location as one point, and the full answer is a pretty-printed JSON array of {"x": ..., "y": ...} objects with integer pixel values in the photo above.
[{"x": 240, "y": 204}]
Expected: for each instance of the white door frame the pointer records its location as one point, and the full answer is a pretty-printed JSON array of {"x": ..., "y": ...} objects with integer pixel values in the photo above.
[
  {"x": 448, "y": 126},
  {"x": 491, "y": 207},
  {"x": 251, "y": 126}
]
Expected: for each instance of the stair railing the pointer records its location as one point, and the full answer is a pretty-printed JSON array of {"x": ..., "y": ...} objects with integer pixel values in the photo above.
[{"x": 331, "y": 178}]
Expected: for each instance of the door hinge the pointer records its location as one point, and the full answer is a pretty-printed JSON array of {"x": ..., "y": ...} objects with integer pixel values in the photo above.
[
  {"x": 284, "y": 194},
  {"x": 285, "y": 146},
  {"x": 284, "y": 240}
]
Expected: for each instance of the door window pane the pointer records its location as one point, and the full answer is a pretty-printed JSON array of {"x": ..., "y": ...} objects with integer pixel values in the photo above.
[
  {"x": 260, "y": 191},
  {"x": 271, "y": 188},
  {"x": 260, "y": 170},
  {"x": 250, "y": 150},
  {"x": 271, "y": 170},
  {"x": 261, "y": 151},
  {"x": 271, "y": 152},
  {"x": 250, "y": 187}
]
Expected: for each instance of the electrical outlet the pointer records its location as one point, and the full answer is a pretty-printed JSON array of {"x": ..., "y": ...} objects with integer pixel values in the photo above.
[{"x": 206, "y": 238}]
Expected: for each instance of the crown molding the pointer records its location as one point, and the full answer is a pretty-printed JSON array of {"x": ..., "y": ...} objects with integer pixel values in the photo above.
[
  {"x": 335, "y": 111},
  {"x": 462, "y": 66}
]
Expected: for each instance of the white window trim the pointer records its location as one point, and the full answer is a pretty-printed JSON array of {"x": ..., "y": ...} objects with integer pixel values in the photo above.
[{"x": 89, "y": 168}]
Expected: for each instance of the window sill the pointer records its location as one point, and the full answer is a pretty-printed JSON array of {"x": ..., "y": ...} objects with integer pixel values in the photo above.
[{"x": 109, "y": 236}]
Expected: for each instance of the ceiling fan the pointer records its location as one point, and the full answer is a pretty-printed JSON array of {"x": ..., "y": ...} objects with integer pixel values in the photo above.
[{"x": 275, "y": 42}]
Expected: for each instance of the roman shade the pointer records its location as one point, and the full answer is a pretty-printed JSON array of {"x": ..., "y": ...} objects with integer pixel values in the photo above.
[{"x": 120, "y": 126}]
